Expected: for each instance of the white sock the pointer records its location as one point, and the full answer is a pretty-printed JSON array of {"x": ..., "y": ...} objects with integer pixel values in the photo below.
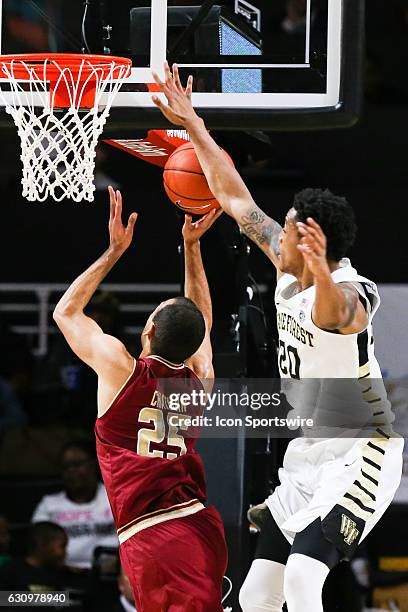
[
  {"x": 262, "y": 590},
  {"x": 303, "y": 583}
]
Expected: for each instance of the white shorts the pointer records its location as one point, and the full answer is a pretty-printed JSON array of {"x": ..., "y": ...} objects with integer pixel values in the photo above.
[{"x": 336, "y": 478}]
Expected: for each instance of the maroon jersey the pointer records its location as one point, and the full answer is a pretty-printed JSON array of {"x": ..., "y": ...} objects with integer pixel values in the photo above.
[{"x": 150, "y": 468}]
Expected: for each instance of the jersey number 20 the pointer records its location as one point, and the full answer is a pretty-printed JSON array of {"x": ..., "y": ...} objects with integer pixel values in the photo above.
[
  {"x": 157, "y": 435},
  {"x": 289, "y": 361}
]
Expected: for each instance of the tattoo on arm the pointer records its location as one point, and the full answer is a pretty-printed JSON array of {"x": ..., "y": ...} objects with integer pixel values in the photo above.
[
  {"x": 351, "y": 295},
  {"x": 261, "y": 229}
]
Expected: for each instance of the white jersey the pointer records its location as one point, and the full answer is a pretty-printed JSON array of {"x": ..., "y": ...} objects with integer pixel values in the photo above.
[
  {"x": 347, "y": 466},
  {"x": 309, "y": 352},
  {"x": 305, "y": 350},
  {"x": 87, "y": 525}
]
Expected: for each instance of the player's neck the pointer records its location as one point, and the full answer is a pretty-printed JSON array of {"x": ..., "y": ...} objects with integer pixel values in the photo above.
[{"x": 305, "y": 277}]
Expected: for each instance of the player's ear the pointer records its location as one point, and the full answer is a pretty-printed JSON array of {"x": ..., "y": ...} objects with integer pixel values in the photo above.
[{"x": 149, "y": 330}]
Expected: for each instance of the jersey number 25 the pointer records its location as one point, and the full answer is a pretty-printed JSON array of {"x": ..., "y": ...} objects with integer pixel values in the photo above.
[{"x": 157, "y": 435}]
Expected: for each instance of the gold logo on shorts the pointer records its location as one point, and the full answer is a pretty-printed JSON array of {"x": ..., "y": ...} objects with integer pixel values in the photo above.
[{"x": 348, "y": 529}]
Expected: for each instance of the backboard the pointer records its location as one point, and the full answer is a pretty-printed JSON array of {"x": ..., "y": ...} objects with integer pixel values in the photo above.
[{"x": 257, "y": 64}]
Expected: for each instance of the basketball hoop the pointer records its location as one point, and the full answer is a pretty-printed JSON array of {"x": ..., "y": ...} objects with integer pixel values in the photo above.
[{"x": 56, "y": 103}]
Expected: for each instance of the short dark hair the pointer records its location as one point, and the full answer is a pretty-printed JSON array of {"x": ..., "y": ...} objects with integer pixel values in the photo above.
[
  {"x": 334, "y": 215},
  {"x": 179, "y": 330},
  {"x": 42, "y": 533}
]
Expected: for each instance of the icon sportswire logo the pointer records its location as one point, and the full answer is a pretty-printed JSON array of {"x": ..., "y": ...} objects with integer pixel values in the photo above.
[{"x": 348, "y": 529}]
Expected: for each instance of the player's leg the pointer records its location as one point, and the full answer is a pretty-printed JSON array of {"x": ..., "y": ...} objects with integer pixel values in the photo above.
[
  {"x": 313, "y": 555},
  {"x": 178, "y": 565},
  {"x": 311, "y": 558},
  {"x": 205, "y": 542},
  {"x": 262, "y": 590}
]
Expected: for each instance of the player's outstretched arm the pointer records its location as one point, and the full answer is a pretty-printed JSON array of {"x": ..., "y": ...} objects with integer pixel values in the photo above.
[
  {"x": 224, "y": 180},
  {"x": 337, "y": 305},
  {"x": 104, "y": 353},
  {"x": 197, "y": 289}
]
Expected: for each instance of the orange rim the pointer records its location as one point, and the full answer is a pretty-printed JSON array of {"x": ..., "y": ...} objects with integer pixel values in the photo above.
[{"x": 58, "y": 61}]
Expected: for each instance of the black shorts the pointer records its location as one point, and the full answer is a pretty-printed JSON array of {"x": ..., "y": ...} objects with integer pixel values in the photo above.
[{"x": 273, "y": 546}]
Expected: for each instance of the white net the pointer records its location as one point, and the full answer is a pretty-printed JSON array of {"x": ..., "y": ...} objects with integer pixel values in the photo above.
[{"x": 58, "y": 145}]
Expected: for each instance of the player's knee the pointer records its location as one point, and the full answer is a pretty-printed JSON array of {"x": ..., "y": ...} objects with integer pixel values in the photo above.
[
  {"x": 296, "y": 578},
  {"x": 257, "y": 596},
  {"x": 293, "y": 580},
  {"x": 248, "y": 598},
  {"x": 304, "y": 579},
  {"x": 245, "y": 596},
  {"x": 254, "y": 601}
]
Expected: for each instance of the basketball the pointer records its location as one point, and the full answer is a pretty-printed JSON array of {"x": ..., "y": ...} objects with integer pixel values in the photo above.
[{"x": 185, "y": 182}]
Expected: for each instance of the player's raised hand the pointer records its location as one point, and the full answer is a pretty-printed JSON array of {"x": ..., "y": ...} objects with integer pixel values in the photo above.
[
  {"x": 313, "y": 247},
  {"x": 192, "y": 231},
  {"x": 119, "y": 235},
  {"x": 179, "y": 109}
]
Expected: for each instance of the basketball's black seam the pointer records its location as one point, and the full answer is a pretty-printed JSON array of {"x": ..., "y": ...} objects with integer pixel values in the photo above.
[
  {"x": 187, "y": 197},
  {"x": 183, "y": 148},
  {"x": 185, "y": 171},
  {"x": 187, "y": 147}
]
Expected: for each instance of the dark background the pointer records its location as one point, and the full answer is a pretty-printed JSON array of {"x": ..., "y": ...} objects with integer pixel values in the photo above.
[{"x": 367, "y": 163}]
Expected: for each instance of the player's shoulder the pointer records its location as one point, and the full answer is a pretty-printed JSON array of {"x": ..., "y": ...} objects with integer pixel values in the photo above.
[{"x": 347, "y": 275}]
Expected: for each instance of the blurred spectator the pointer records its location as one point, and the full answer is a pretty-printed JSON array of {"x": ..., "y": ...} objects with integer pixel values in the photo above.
[
  {"x": 126, "y": 601},
  {"x": 41, "y": 569},
  {"x": 64, "y": 381},
  {"x": 4, "y": 540},
  {"x": 11, "y": 411},
  {"x": 16, "y": 369},
  {"x": 104, "y": 308},
  {"x": 82, "y": 508},
  {"x": 26, "y": 29}
]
